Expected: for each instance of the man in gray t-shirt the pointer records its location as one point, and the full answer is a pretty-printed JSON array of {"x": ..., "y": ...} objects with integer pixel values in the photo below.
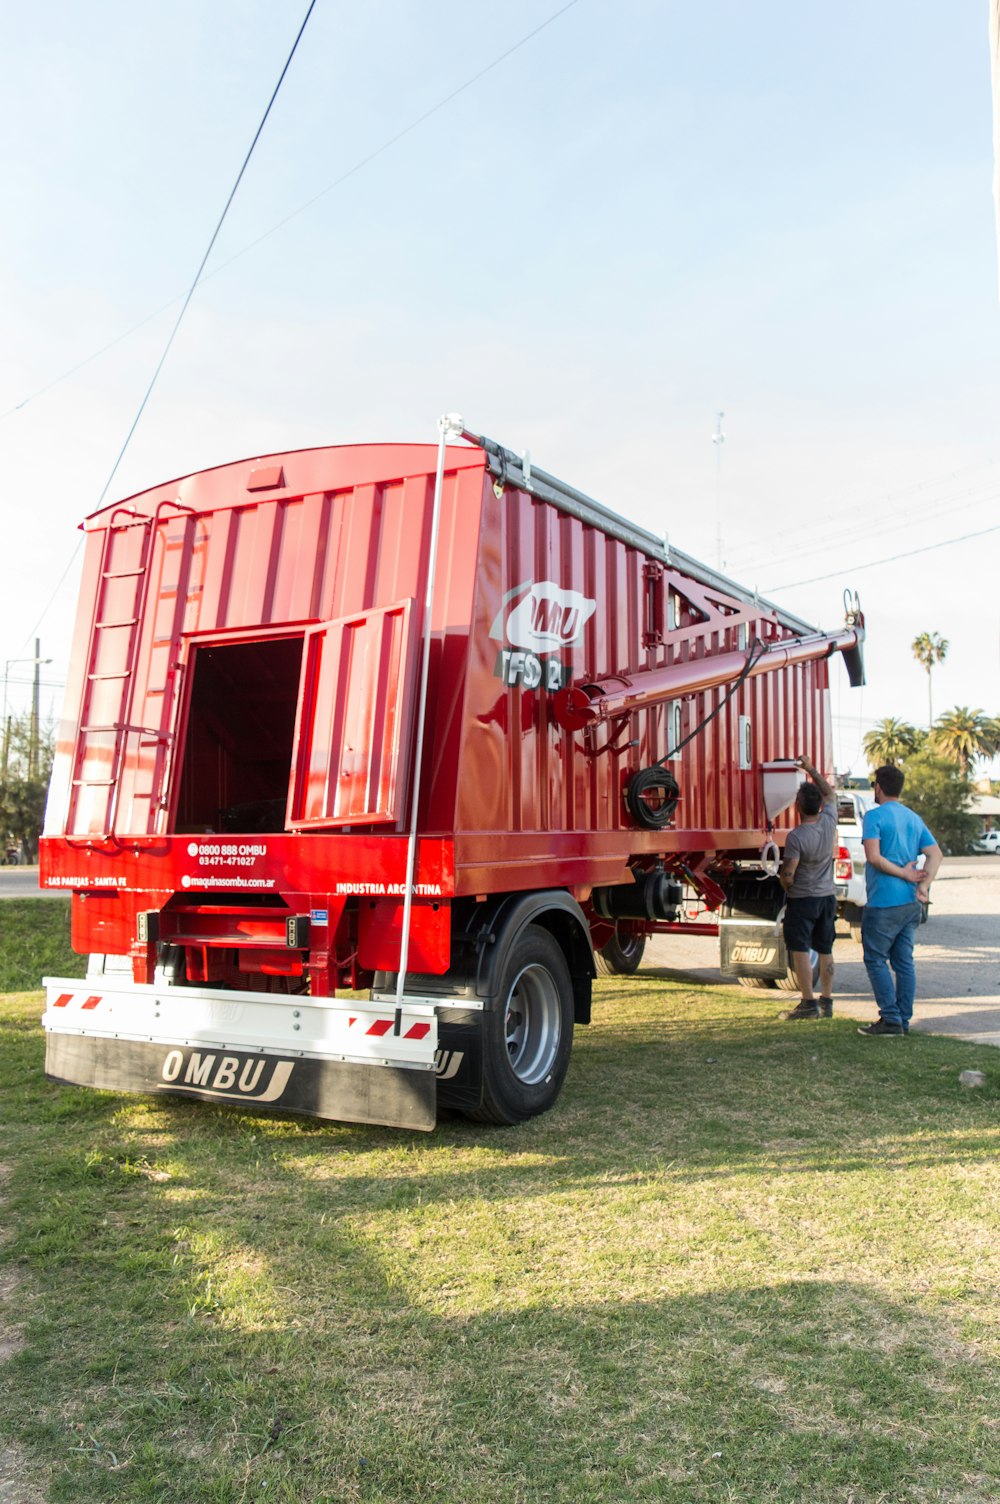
[{"x": 811, "y": 903}]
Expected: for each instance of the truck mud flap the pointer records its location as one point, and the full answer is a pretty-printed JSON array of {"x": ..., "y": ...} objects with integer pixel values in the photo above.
[
  {"x": 750, "y": 948},
  {"x": 343, "y": 1059},
  {"x": 330, "y": 1089},
  {"x": 460, "y": 1060}
]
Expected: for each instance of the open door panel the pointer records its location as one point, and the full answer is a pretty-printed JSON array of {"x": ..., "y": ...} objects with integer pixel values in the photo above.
[{"x": 354, "y": 723}]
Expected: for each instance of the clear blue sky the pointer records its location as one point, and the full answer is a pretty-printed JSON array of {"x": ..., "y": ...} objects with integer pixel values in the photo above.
[{"x": 648, "y": 213}]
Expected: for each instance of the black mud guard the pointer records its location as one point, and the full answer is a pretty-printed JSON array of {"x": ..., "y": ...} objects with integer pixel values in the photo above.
[
  {"x": 289, "y": 1083},
  {"x": 752, "y": 948},
  {"x": 751, "y": 943},
  {"x": 460, "y": 1059},
  {"x": 481, "y": 943},
  {"x": 499, "y": 921}
]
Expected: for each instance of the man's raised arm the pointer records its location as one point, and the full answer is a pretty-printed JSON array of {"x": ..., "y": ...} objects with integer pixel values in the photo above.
[{"x": 825, "y": 788}]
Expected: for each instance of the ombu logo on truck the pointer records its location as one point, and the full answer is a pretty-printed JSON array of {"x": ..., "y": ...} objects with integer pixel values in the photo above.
[{"x": 537, "y": 618}]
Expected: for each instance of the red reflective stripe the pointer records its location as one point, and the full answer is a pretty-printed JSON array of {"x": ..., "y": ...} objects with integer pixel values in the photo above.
[
  {"x": 63, "y": 999},
  {"x": 91, "y": 1002},
  {"x": 383, "y": 1025}
]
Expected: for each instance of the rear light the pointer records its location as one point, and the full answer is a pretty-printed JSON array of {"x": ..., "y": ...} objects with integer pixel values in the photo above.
[{"x": 842, "y": 865}]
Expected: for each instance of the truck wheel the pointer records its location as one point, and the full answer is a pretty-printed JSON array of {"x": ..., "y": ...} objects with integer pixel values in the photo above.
[
  {"x": 854, "y": 914},
  {"x": 757, "y": 984},
  {"x": 622, "y": 955},
  {"x": 527, "y": 1038},
  {"x": 788, "y": 983}
]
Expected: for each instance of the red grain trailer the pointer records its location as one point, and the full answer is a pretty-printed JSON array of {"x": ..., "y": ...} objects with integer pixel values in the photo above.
[{"x": 427, "y": 725}]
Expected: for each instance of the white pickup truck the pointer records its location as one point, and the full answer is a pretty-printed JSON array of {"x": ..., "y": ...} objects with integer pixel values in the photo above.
[{"x": 849, "y": 860}]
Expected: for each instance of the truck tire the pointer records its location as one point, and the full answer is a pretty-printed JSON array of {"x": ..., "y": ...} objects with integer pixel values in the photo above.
[
  {"x": 788, "y": 983},
  {"x": 527, "y": 1038},
  {"x": 623, "y": 953},
  {"x": 756, "y": 984},
  {"x": 853, "y": 913}
]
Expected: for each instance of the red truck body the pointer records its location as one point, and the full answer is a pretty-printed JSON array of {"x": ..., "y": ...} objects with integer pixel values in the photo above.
[{"x": 232, "y": 800}]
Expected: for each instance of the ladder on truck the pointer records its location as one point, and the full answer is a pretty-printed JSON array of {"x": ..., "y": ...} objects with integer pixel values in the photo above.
[{"x": 102, "y": 744}]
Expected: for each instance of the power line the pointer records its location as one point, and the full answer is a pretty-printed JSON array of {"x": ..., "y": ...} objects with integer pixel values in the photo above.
[
  {"x": 307, "y": 204},
  {"x": 208, "y": 252},
  {"x": 891, "y": 559},
  {"x": 845, "y": 531},
  {"x": 180, "y": 316},
  {"x": 96, "y": 354},
  {"x": 58, "y": 586},
  {"x": 363, "y": 162},
  {"x": 838, "y": 501},
  {"x": 399, "y": 135}
]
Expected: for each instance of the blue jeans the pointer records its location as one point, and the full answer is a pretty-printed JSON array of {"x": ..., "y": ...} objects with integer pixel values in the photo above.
[{"x": 887, "y": 938}]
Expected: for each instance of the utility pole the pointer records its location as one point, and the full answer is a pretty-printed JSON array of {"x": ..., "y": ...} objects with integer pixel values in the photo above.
[
  {"x": 33, "y": 729},
  {"x": 35, "y": 696}
]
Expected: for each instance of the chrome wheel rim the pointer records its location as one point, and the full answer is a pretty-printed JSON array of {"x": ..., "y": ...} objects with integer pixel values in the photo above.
[{"x": 532, "y": 1024}]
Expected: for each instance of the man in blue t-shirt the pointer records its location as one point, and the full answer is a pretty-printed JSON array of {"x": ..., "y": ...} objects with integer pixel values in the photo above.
[{"x": 894, "y": 838}]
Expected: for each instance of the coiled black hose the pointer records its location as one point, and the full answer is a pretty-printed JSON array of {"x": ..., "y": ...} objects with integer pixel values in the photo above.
[{"x": 652, "y": 797}]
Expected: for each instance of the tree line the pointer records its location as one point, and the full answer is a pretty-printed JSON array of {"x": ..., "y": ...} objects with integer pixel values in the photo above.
[{"x": 961, "y": 736}]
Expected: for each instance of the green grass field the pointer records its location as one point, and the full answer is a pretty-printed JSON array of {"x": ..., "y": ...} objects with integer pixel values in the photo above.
[
  {"x": 34, "y": 942},
  {"x": 740, "y": 1261}
]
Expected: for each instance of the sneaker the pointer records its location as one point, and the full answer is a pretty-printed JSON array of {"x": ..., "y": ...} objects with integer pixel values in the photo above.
[
  {"x": 826, "y": 1007},
  {"x": 880, "y": 1027},
  {"x": 802, "y": 1010}
]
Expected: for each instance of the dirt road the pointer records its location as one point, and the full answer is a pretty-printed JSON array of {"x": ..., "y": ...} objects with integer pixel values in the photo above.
[{"x": 958, "y": 958}]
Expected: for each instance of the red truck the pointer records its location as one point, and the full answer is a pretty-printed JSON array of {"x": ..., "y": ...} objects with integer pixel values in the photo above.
[{"x": 367, "y": 750}]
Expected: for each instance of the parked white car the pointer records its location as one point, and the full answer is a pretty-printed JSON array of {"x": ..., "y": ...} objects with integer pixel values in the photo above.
[
  {"x": 988, "y": 842},
  {"x": 849, "y": 862}
]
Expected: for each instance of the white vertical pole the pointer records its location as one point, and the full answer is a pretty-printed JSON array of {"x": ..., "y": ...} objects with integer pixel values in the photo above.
[
  {"x": 449, "y": 426},
  {"x": 718, "y": 439},
  {"x": 33, "y": 748}
]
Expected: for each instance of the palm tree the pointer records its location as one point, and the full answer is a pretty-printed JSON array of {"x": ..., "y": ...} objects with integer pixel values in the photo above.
[
  {"x": 890, "y": 741},
  {"x": 929, "y": 648},
  {"x": 963, "y": 735},
  {"x": 993, "y": 732}
]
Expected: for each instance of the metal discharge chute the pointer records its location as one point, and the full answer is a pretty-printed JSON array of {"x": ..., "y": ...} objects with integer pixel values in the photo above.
[{"x": 593, "y": 701}]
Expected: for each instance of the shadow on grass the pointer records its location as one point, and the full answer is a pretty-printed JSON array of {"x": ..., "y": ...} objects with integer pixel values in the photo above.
[
  {"x": 719, "y": 1096},
  {"x": 226, "y": 1307},
  {"x": 354, "y": 1390}
]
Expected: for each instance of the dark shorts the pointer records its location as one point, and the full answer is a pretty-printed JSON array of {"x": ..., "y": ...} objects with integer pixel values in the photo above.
[{"x": 809, "y": 924}]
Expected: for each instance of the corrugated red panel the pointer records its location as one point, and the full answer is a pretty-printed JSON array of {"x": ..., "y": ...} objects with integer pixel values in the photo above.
[
  {"x": 533, "y": 793},
  {"x": 355, "y": 720}
]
